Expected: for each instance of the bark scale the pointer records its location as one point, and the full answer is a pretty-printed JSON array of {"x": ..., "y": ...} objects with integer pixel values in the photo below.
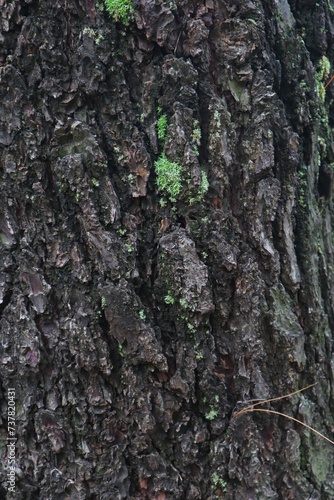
[{"x": 132, "y": 325}]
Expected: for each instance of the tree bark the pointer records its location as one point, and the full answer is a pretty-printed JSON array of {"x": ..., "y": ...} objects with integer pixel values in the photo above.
[{"x": 135, "y": 324}]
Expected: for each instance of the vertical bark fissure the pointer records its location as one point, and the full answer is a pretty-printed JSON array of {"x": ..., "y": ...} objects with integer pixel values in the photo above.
[{"x": 132, "y": 323}]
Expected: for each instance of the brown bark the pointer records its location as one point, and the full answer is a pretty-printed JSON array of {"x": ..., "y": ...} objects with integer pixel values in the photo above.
[{"x": 132, "y": 326}]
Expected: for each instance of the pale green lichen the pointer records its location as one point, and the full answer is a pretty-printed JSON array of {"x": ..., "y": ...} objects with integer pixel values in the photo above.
[{"x": 322, "y": 74}]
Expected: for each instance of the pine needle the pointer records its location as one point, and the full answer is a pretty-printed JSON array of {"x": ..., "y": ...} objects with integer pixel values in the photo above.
[
  {"x": 324, "y": 88},
  {"x": 295, "y": 420},
  {"x": 251, "y": 408}
]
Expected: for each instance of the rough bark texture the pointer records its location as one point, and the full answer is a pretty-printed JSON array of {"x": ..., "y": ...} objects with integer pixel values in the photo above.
[{"x": 131, "y": 326}]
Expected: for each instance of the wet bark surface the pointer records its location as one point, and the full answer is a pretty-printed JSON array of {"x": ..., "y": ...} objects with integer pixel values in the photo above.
[{"x": 131, "y": 325}]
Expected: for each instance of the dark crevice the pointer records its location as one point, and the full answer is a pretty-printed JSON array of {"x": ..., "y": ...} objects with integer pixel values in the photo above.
[{"x": 6, "y": 300}]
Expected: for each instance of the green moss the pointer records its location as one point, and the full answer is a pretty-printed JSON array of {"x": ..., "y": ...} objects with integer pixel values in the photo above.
[
  {"x": 212, "y": 414},
  {"x": 162, "y": 128},
  {"x": 204, "y": 185},
  {"x": 196, "y": 136},
  {"x": 302, "y": 187},
  {"x": 218, "y": 482},
  {"x": 168, "y": 176},
  {"x": 198, "y": 196},
  {"x": 95, "y": 35},
  {"x": 183, "y": 303},
  {"x": 191, "y": 328},
  {"x": 142, "y": 315},
  {"x": 121, "y": 349},
  {"x": 120, "y": 10},
  {"x": 169, "y": 299}
]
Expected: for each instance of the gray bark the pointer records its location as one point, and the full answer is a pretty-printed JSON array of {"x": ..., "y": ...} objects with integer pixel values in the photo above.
[{"x": 132, "y": 326}]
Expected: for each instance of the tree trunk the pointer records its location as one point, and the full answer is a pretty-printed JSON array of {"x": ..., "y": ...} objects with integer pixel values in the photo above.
[{"x": 166, "y": 229}]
